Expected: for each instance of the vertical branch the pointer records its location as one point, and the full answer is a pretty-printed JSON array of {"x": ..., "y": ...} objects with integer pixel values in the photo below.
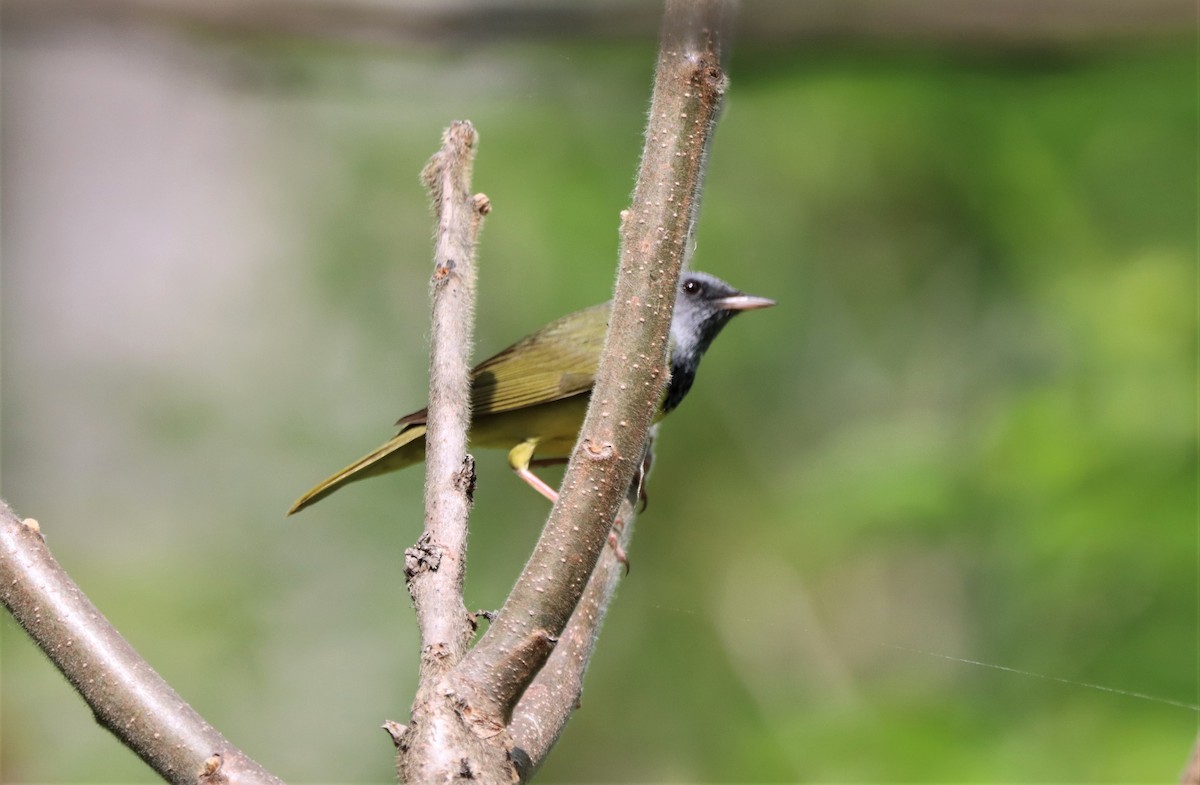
[
  {"x": 436, "y": 565},
  {"x": 656, "y": 233},
  {"x": 125, "y": 694},
  {"x": 462, "y": 720},
  {"x": 434, "y": 744}
]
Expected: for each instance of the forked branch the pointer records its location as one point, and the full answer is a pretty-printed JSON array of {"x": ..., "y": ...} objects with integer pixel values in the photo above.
[{"x": 656, "y": 236}]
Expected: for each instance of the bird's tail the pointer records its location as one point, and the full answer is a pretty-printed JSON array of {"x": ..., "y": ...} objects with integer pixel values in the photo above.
[{"x": 403, "y": 449}]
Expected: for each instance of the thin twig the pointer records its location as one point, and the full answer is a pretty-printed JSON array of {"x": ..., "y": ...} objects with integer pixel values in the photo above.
[
  {"x": 125, "y": 694},
  {"x": 656, "y": 234}
]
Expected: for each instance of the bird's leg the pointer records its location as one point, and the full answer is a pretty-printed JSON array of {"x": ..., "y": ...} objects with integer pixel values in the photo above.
[
  {"x": 538, "y": 484},
  {"x": 637, "y": 493},
  {"x": 614, "y": 542},
  {"x": 519, "y": 458}
]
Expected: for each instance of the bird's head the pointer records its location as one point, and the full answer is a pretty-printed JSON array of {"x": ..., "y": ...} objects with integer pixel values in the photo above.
[{"x": 703, "y": 306}]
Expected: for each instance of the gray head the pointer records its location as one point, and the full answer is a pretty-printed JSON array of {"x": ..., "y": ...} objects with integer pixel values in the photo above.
[{"x": 703, "y": 306}]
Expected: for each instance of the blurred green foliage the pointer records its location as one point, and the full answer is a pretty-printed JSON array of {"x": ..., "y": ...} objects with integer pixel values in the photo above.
[{"x": 902, "y": 527}]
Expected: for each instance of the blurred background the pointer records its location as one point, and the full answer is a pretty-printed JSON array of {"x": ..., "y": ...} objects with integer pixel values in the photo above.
[{"x": 933, "y": 518}]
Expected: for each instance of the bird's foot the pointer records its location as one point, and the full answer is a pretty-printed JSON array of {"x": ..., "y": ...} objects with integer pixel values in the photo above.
[{"x": 614, "y": 542}]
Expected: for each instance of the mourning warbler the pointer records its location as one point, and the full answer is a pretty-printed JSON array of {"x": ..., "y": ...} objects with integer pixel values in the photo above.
[{"x": 530, "y": 399}]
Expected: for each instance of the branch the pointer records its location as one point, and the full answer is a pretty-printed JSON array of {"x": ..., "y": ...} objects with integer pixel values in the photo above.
[
  {"x": 125, "y": 694},
  {"x": 656, "y": 234},
  {"x": 435, "y": 566},
  {"x": 548, "y": 703},
  {"x": 461, "y": 717}
]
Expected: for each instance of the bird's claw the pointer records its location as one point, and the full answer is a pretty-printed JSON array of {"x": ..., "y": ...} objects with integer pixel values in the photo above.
[{"x": 614, "y": 542}]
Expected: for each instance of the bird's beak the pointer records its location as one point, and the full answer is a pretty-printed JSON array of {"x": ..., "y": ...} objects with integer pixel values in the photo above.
[{"x": 743, "y": 302}]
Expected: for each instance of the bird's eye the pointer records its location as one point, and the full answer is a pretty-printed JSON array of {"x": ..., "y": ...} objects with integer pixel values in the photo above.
[{"x": 692, "y": 287}]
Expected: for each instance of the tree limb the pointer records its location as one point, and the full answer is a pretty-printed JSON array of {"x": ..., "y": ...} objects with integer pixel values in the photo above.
[
  {"x": 554, "y": 694},
  {"x": 435, "y": 567},
  {"x": 125, "y": 694},
  {"x": 430, "y": 748},
  {"x": 656, "y": 235}
]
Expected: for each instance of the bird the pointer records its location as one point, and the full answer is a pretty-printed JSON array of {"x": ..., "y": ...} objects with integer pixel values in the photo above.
[{"x": 531, "y": 398}]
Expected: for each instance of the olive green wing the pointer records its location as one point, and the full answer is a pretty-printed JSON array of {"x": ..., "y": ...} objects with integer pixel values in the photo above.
[{"x": 555, "y": 362}]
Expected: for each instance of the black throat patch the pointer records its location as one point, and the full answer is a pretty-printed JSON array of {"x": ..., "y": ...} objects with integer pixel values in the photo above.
[{"x": 683, "y": 373}]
